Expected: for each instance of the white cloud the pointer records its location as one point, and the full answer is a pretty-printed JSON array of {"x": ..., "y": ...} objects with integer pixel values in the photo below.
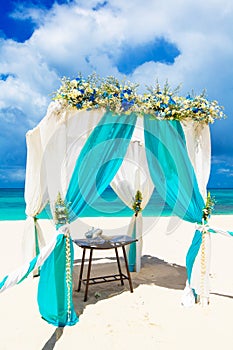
[
  {"x": 31, "y": 80},
  {"x": 24, "y": 11},
  {"x": 12, "y": 175},
  {"x": 223, "y": 171},
  {"x": 73, "y": 37}
]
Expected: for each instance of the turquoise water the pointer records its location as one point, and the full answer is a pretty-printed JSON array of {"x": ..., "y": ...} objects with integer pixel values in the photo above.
[{"x": 12, "y": 205}]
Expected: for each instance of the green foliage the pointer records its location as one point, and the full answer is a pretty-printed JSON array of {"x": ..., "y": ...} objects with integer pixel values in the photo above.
[
  {"x": 209, "y": 207},
  {"x": 136, "y": 206}
]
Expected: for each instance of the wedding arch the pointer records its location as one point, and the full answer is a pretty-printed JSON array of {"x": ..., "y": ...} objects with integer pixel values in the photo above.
[{"x": 98, "y": 133}]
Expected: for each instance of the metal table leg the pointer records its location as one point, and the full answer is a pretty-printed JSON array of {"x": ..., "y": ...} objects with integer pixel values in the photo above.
[
  {"x": 127, "y": 269},
  {"x": 88, "y": 274},
  {"x": 81, "y": 270},
  {"x": 119, "y": 266}
]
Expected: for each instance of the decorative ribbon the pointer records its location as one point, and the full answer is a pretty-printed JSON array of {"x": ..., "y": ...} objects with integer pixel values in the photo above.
[
  {"x": 206, "y": 228},
  {"x": 20, "y": 274}
]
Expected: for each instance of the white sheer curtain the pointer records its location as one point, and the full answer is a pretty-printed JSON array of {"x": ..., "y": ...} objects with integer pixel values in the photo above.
[
  {"x": 36, "y": 195},
  {"x": 199, "y": 149},
  {"x": 132, "y": 176},
  {"x": 52, "y": 149}
]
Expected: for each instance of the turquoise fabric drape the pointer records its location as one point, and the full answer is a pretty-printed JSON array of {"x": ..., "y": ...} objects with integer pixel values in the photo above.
[
  {"x": 171, "y": 169},
  {"x": 174, "y": 176},
  {"x": 194, "y": 249},
  {"x": 95, "y": 167},
  {"x": 55, "y": 303},
  {"x": 3, "y": 281},
  {"x": 99, "y": 160},
  {"x": 192, "y": 253},
  {"x": 31, "y": 267},
  {"x": 132, "y": 251},
  {"x": 230, "y": 233}
]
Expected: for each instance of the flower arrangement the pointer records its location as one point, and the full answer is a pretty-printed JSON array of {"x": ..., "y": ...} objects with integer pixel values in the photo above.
[
  {"x": 93, "y": 92},
  {"x": 163, "y": 103},
  {"x": 137, "y": 203},
  {"x": 79, "y": 93},
  {"x": 200, "y": 109},
  {"x": 122, "y": 97},
  {"x": 209, "y": 207},
  {"x": 119, "y": 97},
  {"x": 61, "y": 212}
]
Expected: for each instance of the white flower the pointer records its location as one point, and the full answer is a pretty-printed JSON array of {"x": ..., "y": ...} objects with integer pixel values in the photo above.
[{"x": 74, "y": 83}]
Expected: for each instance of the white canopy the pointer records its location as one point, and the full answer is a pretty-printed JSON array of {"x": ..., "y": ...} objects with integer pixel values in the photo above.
[
  {"x": 78, "y": 153},
  {"x": 53, "y": 148}
]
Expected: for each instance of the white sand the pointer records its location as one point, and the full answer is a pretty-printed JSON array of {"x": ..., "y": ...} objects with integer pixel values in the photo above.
[{"x": 150, "y": 318}]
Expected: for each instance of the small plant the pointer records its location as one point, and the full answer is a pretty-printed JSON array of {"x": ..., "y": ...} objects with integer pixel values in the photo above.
[
  {"x": 137, "y": 203},
  {"x": 209, "y": 207},
  {"x": 61, "y": 213},
  {"x": 97, "y": 295}
]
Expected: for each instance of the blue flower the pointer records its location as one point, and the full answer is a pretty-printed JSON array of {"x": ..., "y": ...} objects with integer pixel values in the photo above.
[
  {"x": 127, "y": 91},
  {"x": 171, "y": 101},
  {"x": 79, "y": 105},
  {"x": 92, "y": 98},
  {"x": 125, "y": 104}
]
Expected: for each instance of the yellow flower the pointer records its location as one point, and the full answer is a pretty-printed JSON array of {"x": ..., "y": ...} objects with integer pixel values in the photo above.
[
  {"x": 89, "y": 89},
  {"x": 74, "y": 93},
  {"x": 166, "y": 99}
]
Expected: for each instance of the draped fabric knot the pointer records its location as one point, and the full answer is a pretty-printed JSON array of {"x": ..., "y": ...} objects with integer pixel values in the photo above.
[
  {"x": 64, "y": 230},
  {"x": 32, "y": 243},
  {"x": 203, "y": 227}
]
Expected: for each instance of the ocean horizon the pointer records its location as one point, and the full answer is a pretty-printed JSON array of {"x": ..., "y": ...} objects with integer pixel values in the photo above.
[{"x": 12, "y": 205}]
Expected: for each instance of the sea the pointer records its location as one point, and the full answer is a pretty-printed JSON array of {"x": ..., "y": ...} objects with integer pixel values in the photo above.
[{"x": 12, "y": 205}]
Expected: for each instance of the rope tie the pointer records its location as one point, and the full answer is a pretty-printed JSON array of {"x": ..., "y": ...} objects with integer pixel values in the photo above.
[
  {"x": 68, "y": 279},
  {"x": 203, "y": 228},
  {"x": 68, "y": 276}
]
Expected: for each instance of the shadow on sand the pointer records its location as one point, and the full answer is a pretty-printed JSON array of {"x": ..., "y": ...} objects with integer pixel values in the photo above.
[
  {"x": 53, "y": 339},
  {"x": 153, "y": 272}
]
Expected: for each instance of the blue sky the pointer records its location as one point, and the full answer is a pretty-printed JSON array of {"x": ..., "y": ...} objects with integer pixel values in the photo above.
[{"x": 187, "y": 42}]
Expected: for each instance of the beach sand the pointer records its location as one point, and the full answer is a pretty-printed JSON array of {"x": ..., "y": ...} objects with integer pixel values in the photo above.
[{"x": 149, "y": 318}]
